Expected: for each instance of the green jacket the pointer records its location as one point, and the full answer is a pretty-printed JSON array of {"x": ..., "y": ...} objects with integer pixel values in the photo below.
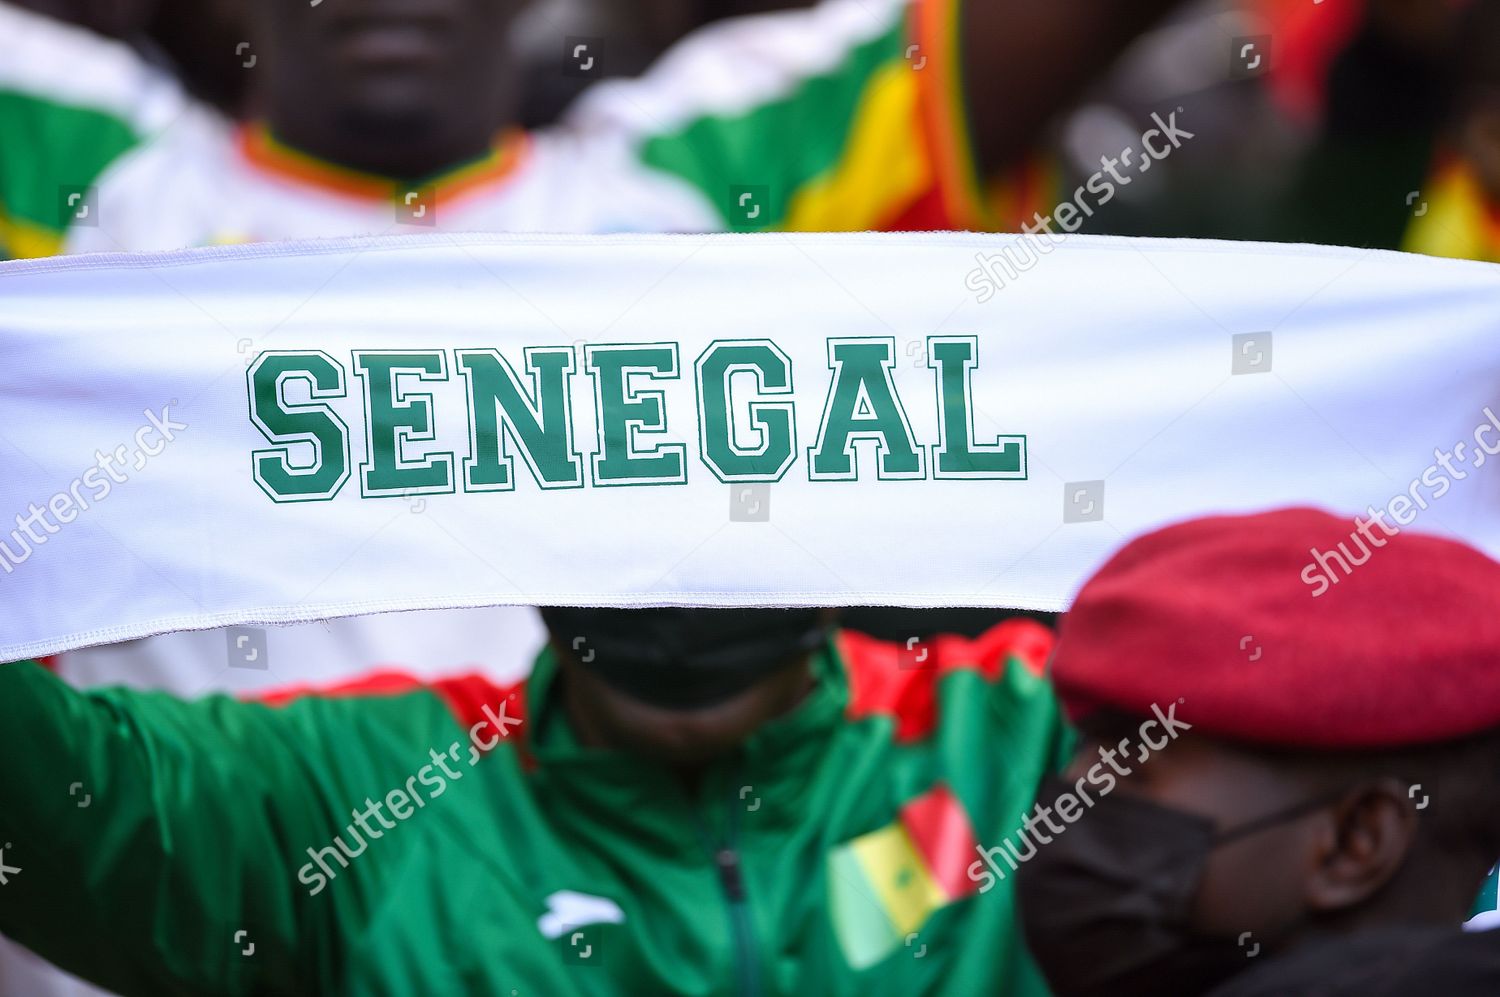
[{"x": 834, "y": 854}]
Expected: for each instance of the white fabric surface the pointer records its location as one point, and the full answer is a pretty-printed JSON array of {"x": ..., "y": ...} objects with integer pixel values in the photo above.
[{"x": 1111, "y": 356}]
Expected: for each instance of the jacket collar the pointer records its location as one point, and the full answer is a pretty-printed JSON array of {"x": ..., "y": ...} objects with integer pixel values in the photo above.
[{"x": 783, "y": 741}]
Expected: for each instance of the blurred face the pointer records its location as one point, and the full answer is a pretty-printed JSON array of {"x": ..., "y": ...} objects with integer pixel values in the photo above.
[
  {"x": 605, "y": 717},
  {"x": 1191, "y": 849},
  {"x": 1255, "y": 883},
  {"x": 402, "y": 67}
]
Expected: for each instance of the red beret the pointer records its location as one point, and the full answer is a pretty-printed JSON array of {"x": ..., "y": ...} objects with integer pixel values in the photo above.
[{"x": 1290, "y": 628}]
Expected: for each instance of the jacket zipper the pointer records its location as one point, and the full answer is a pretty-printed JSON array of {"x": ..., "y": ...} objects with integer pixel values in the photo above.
[{"x": 726, "y": 858}]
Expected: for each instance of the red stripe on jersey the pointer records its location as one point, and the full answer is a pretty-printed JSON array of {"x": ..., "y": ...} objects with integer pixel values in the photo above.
[
  {"x": 476, "y": 701},
  {"x": 887, "y": 679},
  {"x": 381, "y": 683},
  {"x": 472, "y": 699},
  {"x": 928, "y": 213},
  {"x": 1024, "y": 639},
  {"x": 944, "y": 117}
]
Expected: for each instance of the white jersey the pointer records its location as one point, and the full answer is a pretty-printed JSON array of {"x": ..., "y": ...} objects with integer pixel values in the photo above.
[{"x": 814, "y": 119}]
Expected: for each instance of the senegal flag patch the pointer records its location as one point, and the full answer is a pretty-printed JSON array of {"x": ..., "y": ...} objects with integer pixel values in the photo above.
[{"x": 884, "y": 885}]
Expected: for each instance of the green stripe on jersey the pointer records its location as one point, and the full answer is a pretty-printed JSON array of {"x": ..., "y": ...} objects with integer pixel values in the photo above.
[
  {"x": 723, "y": 155},
  {"x": 49, "y": 150}
]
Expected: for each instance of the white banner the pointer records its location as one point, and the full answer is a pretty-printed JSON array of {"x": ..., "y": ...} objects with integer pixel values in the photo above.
[{"x": 270, "y": 434}]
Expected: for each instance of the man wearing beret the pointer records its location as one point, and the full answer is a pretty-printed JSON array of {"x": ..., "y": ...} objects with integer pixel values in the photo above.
[
  {"x": 1321, "y": 813},
  {"x": 687, "y": 802}
]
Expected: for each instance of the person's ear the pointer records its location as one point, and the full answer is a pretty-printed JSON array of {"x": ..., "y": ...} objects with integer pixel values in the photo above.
[{"x": 1371, "y": 831}]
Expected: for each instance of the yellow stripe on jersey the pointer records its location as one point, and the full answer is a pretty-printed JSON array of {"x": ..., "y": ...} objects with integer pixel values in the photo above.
[
  {"x": 882, "y": 170},
  {"x": 20, "y": 239}
]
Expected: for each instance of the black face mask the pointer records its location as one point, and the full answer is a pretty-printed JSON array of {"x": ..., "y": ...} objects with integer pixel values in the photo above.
[
  {"x": 685, "y": 659},
  {"x": 1105, "y": 906}
]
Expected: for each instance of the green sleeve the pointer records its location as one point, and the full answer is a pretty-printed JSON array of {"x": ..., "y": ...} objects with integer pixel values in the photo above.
[{"x": 150, "y": 831}]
